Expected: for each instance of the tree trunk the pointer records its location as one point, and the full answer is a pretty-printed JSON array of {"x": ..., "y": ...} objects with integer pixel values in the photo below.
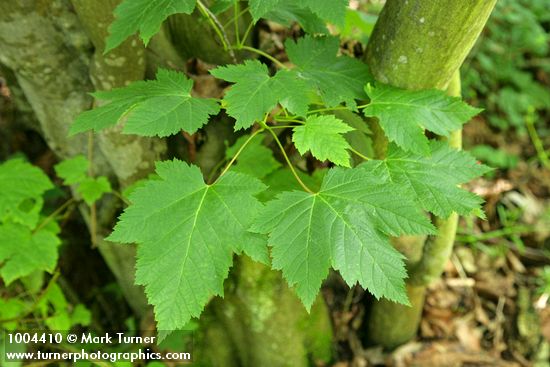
[
  {"x": 420, "y": 44},
  {"x": 265, "y": 323},
  {"x": 131, "y": 157}
]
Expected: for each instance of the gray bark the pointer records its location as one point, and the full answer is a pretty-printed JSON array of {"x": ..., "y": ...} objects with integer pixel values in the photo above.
[{"x": 50, "y": 55}]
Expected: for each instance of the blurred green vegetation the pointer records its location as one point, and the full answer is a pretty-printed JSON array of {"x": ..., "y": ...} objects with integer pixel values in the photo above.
[{"x": 507, "y": 72}]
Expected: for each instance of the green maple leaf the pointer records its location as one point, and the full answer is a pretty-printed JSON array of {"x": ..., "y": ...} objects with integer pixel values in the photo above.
[
  {"x": 252, "y": 96},
  {"x": 255, "y": 159},
  {"x": 433, "y": 179},
  {"x": 294, "y": 92},
  {"x": 359, "y": 138},
  {"x": 159, "y": 107},
  {"x": 346, "y": 225},
  {"x": 92, "y": 189},
  {"x": 12, "y": 309},
  {"x": 22, "y": 186},
  {"x": 283, "y": 180},
  {"x": 296, "y": 227},
  {"x": 255, "y": 93},
  {"x": 338, "y": 79},
  {"x": 186, "y": 233},
  {"x": 145, "y": 16},
  {"x": 318, "y": 71},
  {"x": 330, "y": 10},
  {"x": 73, "y": 170},
  {"x": 323, "y": 136},
  {"x": 258, "y": 8},
  {"x": 388, "y": 206},
  {"x": 289, "y": 11},
  {"x": 23, "y": 251},
  {"x": 404, "y": 114}
]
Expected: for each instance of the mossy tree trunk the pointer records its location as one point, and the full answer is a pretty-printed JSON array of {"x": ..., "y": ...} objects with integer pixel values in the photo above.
[
  {"x": 55, "y": 50},
  {"x": 261, "y": 322},
  {"x": 420, "y": 44}
]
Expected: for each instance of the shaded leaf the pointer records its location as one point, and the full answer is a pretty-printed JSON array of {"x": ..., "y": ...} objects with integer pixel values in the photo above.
[
  {"x": 330, "y": 10},
  {"x": 255, "y": 160},
  {"x": 23, "y": 251},
  {"x": 338, "y": 79},
  {"x": 143, "y": 16},
  {"x": 289, "y": 11},
  {"x": 22, "y": 186}
]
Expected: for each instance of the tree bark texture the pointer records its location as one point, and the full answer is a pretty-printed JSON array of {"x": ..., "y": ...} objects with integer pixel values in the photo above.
[
  {"x": 261, "y": 322},
  {"x": 44, "y": 45},
  {"x": 420, "y": 44}
]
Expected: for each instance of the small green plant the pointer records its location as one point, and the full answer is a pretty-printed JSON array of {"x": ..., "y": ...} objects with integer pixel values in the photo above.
[
  {"x": 544, "y": 282},
  {"x": 188, "y": 229},
  {"x": 497, "y": 158},
  {"x": 75, "y": 171},
  {"x": 30, "y": 242}
]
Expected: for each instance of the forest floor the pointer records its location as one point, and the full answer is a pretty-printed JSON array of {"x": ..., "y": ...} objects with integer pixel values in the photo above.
[{"x": 489, "y": 308}]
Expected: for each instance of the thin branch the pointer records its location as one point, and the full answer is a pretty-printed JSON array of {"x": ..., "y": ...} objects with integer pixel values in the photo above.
[
  {"x": 262, "y": 53},
  {"x": 535, "y": 139},
  {"x": 283, "y": 126},
  {"x": 507, "y": 231},
  {"x": 239, "y": 151},
  {"x": 52, "y": 281},
  {"x": 121, "y": 197},
  {"x": 282, "y": 149},
  {"x": 337, "y": 108},
  {"x": 290, "y": 120},
  {"x": 218, "y": 28},
  {"x": 90, "y": 154},
  {"x": 215, "y": 169},
  {"x": 236, "y": 17},
  {"x": 93, "y": 208},
  {"x": 360, "y": 155},
  {"x": 54, "y": 214},
  {"x": 247, "y": 32},
  {"x": 241, "y": 13}
]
